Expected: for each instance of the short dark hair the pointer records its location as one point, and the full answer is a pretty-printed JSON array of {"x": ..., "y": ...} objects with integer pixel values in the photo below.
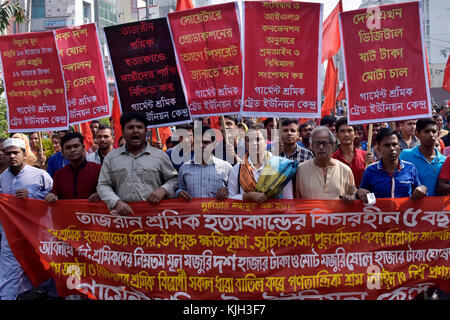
[
  {"x": 423, "y": 123},
  {"x": 104, "y": 127},
  {"x": 127, "y": 117},
  {"x": 303, "y": 125},
  {"x": 287, "y": 122},
  {"x": 342, "y": 122},
  {"x": 231, "y": 117},
  {"x": 94, "y": 121},
  {"x": 327, "y": 120},
  {"x": 267, "y": 121},
  {"x": 384, "y": 133},
  {"x": 70, "y": 136}
]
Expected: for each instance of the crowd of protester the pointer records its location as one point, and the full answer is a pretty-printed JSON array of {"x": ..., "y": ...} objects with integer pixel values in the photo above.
[{"x": 249, "y": 159}]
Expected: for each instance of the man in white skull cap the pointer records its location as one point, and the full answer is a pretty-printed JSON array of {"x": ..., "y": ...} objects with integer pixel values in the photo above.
[{"x": 23, "y": 181}]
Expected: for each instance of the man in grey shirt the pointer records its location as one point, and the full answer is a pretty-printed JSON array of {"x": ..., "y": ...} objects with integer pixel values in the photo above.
[{"x": 136, "y": 171}]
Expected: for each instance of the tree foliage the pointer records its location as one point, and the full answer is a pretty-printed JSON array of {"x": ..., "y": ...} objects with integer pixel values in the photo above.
[{"x": 10, "y": 10}]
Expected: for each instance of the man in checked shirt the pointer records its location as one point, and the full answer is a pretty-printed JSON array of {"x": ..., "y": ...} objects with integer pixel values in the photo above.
[
  {"x": 206, "y": 177},
  {"x": 136, "y": 171}
]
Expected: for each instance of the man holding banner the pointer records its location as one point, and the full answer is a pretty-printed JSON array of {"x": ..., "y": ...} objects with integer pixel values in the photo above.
[
  {"x": 135, "y": 171},
  {"x": 391, "y": 177},
  {"x": 23, "y": 181}
]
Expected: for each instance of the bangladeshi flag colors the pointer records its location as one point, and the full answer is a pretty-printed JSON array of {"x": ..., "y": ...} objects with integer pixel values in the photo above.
[
  {"x": 207, "y": 45},
  {"x": 385, "y": 65},
  {"x": 34, "y": 82},
  {"x": 82, "y": 64},
  {"x": 282, "y": 59}
]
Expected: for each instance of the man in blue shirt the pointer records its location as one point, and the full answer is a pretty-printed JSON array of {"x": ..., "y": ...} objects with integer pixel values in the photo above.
[
  {"x": 23, "y": 181},
  {"x": 57, "y": 160},
  {"x": 390, "y": 177},
  {"x": 425, "y": 156}
]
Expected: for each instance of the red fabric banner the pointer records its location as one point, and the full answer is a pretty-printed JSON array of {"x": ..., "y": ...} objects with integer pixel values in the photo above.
[
  {"x": 295, "y": 249},
  {"x": 282, "y": 59},
  {"x": 34, "y": 83},
  {"x": 115, "y": 120},
  {"x": 82, "y": 63},
  {"x": 341, "y": 95},
  {"x": 385, "y": 64},
  {"x": 331, "y": 42},
  {"x": 207, "y": 46},
  {"x": 329, "y": 88},
  {"x": 446, "y": 84}
]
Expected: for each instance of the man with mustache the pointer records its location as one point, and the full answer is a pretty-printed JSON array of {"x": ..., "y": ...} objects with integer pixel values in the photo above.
[
  {"x": 324, "y": 177},
  {"x": 105, "y": 140},
  {"x": 135, "y": 171},
  {"x": 391, "y": 177}
]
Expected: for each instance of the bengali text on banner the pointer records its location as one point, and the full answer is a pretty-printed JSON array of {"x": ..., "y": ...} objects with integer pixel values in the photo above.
[
  {"x": 84, "y": 73},
  {"x": 145, "y": 71},
  {"x": 204, "y": 249},
  {"x": 385, "y": 64},
  {"x": 34, "y": 82},
  {"x": 282, "y": 59},
  {"x": 207, "y": 46}
]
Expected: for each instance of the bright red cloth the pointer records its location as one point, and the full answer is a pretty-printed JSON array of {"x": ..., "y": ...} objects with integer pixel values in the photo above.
[
  {"x": 446, "y": 84},
  {"x": 357, "y": 165},
  {"x": 329, "y": 88},
  {"x": 331, "y": 40}
]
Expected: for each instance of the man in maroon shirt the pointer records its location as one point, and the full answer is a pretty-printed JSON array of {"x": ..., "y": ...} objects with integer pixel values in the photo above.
[
  {"x": 347, "y": 153},
  {"x": 78, "y": 179}
]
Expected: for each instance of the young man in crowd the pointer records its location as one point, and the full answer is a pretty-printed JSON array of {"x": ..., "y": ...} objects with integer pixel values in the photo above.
[
  {"x": 232, "y": 150},
  {"x": 135, "y": 171},
  {"x": 425, "y": 156},
  {"x": 391, "y": 177},
  {"x": 78, "y": 179},
  {"x": 57, "y": 160},
  {"x": 184, "y": 150},
  {"x": 23, "y": 181},
  {"x": 407, "y": 139},
  {"x": 330, "y": 122},
  {"x": 347, "y": 153},
  {"x": 105, "y": 141},
  {"x": 289, "y": 138},
  {"x": 206, "y": 177},
  {"x": 305, "y": 130}
]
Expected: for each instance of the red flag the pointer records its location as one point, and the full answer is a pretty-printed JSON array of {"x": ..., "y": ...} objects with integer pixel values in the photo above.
[
  {"x": 183, "y": 5},
  {"x": 446, "y": 84},
  {"x": 341, "y": 95},
  {"x": 331, "y": 40},
  {"x": 164, "y": 133},
  {"x": 329, "y": 88},
  {"x": 87, "y": 135},
  {"x": 115, "y": 120}
]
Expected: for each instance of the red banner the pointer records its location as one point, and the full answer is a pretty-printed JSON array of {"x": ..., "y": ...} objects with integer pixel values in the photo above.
[
  {"x": 205, "y": 249},
  {"x": 82, "y": 63},
  {"x": 282, "y": 59},
  {"x": 208, "y": 49},
  {"x": 34, "y": 83},
  {"x": 385, "y": 64}
]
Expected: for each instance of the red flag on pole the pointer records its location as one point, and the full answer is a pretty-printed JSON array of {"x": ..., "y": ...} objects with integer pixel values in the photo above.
[
  {"x": 331, "y": 41},
  {"x": 446, "y": 84},
  {"x": 183, "y": 5},
  {"x": 329, "y": 88},
  {"x": 87, "y": 135},
  {"x": 341, "y": 95},
  {"x": 115, "y": 120}
]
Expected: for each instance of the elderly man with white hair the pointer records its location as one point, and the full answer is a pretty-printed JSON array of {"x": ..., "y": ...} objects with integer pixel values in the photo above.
[
  {"x": 324, "y": 177},
  {"x": 23, "y": 181}
]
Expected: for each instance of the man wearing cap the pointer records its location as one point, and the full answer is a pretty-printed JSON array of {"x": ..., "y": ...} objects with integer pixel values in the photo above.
[{"x": 23, "y": 181}]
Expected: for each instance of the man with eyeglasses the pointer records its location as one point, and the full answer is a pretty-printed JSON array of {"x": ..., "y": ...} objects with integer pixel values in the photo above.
[{"x": 324, "y": 177}]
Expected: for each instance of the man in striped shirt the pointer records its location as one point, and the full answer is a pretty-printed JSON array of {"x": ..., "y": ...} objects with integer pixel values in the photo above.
[{"x": 390, "y": 177}]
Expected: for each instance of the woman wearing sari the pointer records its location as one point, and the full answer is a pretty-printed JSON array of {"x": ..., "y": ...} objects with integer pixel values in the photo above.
[{"x": 261, "y": 175}]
